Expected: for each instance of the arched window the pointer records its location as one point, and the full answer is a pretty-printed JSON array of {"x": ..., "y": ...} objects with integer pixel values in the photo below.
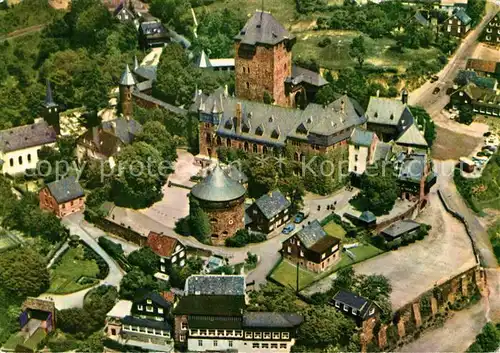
[
  {"x": 248, "y": 85},
  {"x": 219, "y": 141},
  {"x": 228, "y": 142},
  {"x": 245, "y": 146},
  {"x": 208, "y": 138},
  {"x": 20, "y": 159},
  {"x": 255, "y": 148}
]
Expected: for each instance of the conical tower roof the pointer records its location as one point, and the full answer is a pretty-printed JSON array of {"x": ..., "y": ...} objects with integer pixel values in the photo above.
[
  {"x": 218, "y": 187},
  {"x": 203, "y": 61},
  {"x": 49, "y": 100},
  {"x": 127, "y": 79}
]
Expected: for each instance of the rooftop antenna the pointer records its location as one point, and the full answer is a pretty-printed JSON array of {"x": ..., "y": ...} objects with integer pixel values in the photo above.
[{"x": 262, "y": 11}]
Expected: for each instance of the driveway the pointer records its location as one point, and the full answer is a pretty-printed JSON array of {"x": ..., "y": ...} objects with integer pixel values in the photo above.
[{"x": 74, "y": 224}]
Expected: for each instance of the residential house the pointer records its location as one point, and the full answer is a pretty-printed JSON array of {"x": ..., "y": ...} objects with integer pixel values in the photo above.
[
  {"x": 268, "y": 212},
  {"x": 153, "y": 34},
  {"x": 354, "y": 306},
  {"x": 212, "y": 317},
  {"x": 412, "y": 137},
  {"x": 458, "y": 24},
  {"x": 415, "y": 177},
  {"x": 170, "y": 250},
  {"x": 141, "y": 323},
  {"x": 481, "y": 100},
  {"x": 388, "y": 117},
  {"x": 491, "y": 33},
  {"x": 19, "y": 146},
  {"x": 105, "y": 141},
  {"x": 123, "y": 12},
  {"x": 63, "y": 197},
  {"x": 399, "y": 229},
  {"x": 312, "y": 248},
  {"x": 362, "y": 219},
  {"x": 362, "y": 145},
  {"x": 484, "y": 68}
]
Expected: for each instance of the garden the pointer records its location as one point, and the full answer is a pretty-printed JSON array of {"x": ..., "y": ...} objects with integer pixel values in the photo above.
[{"x": 74, "y": 270}]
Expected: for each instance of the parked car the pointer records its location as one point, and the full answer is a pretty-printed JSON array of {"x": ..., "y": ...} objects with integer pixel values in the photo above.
[
  {"x": 436, "y": 90},
  {"x": 288, "y": 229},
  {"x": 434, "y": 78},
  {"x": 299, "y": 217}
]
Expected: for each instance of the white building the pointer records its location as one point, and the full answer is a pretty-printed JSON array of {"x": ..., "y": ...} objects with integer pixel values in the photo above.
[
  {"x": 362, "y": 146},
  {"x": 19, "y": 146}
]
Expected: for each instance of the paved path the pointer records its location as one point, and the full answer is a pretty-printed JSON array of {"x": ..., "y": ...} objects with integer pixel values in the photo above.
[
  {"x": 57, "y": 254},
  {"x": 74, "y": 224}
]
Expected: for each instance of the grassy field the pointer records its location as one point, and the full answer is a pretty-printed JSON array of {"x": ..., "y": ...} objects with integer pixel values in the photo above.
[
  {"x": 494, "y": 233},
  {"x": 335, "y": 230},
  {"x": 336, "y": 55},
  {"x": 487, "y": 191},
  {"x": 65, "y": 275},
  {"x": 286, "y": 274}
]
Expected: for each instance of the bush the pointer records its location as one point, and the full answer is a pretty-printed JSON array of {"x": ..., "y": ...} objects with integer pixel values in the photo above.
[
  {"x": 112, "y": 248},
  {"x": 145, "y": 259},
  {"x": 90, "y": 254},
  {"x": 244, "y": 237},
  {"x": 325, "y": 42}
]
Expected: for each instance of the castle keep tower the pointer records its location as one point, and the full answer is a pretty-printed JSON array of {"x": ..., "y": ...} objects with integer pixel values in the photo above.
[
  {"x": 127, "y": 83},
  {"x": 263, "y": 59},
  {"x": 222, "y": 198}
]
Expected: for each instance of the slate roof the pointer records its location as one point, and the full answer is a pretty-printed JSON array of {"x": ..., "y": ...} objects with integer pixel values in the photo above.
[
  {"x": 159, "y": 103},
  {"x": 271, "y": 320},
  {"x": 263, "y": 28},
  {"x": 162, "y": 245},
  {"x": 400, "y": 227},
  {"x": 272, "y": 204},
  {"x": 21, "y": 137},
  {"x": 315, "y": 238},
  {"x": 360, "y": 137},
  {"x": 299, "y": 75},
  {"x": 155, "y": 298},
  {"x": 125, "y": 130},
  {"x": 135, "y": 321},
  {"x": 146, "y": 72},
  {"x": 488, "y": 66},
  {"x": 387, "y": 111},
  {"x": 350, "y": 299},
  {"x": 200, "y": 285},
  {"x": 218, "y": 187},
  {"x": 123, "y": 8},
  {"x": 462, "y": 16},
  {"x": 121, "y": 309},
  {"x": 272, "y": 125},
  {"x": 153, "y": 28},
  {"x": 127, "y": 79},
  {"x": 215, "y": 305},
  {"x": 66, "y": 189},
  {"x": 413, "y": 167},
  {"x": 481, "y": 95},
  {"x": 412, "y": 137},
  {"x": 367, "y": 216},
  {"x": 382, "y": 151}
]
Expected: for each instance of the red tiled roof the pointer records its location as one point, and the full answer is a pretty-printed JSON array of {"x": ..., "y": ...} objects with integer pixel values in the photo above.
[
  {"x": 162, "y": 245},
  {"x": 482, "y": 65},
  {"x": 169, "y": 296}
]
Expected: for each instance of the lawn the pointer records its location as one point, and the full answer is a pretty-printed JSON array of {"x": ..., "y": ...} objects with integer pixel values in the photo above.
[
  {"x": 336, "y": 55},
  {"x": 64, "y": 276},
  {"x": 35, "y": 339},
  {"x": 494, "y": 233},
  {"x": 286, "y": 274},
  {"x": 335, "y": 230}
]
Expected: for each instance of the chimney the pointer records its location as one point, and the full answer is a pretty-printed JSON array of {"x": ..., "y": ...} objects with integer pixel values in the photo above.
[
  {"x": 113, "y": 126},
  {"x": 404, "y": 96},
  {"x": 238, "y": 118}
]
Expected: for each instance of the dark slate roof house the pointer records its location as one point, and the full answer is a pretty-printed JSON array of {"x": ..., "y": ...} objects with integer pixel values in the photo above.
[
  {"x": 153, "y": 34},
  {"x": 123, "y": 13},
  {"x": 263, "y": 28},
  {"x": 388, "y": 111},
  {"x": 301, "y": 75},
  {"x": 66, "y": 189},
  {"x": 354, "y": 305},
  {"x": 271, "y": 319},
  {"x": 462, "y": 16},
  {"x": 360, "y": 137},
  {"x": 272, "y": 204},
  {"x": 400, "y": 228},
  {"x": 315, "y": 239}
]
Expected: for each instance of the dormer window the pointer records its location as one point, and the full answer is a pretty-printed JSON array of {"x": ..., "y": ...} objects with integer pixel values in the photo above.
[
  {"x": 375, "y": 115},
  {"x": 259, "y": 131},
  {"x": 246, "y": 127},
  {"x": 228, "y": 124},
  {"x": 276, "y": 133},
  {"x": 392, "y": 117},
  {"x": 301, "y": 129}
]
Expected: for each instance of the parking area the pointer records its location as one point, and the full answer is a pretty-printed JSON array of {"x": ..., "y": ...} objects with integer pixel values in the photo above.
[{"x": 416, "y": 268}]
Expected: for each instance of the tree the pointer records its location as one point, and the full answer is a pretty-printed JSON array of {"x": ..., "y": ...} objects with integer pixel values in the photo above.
[
  {"x": 262, "y": 177},
  {"x": 93, "y": 343},
  {"x": 75, "y": 321},
  {"x": 23, "y": 272},
  {"x": 489, "y": 338},
  {"x": 357, "y": 49},
  {"x": 156, "y": 135},
  {"x": 178, "y": 275},
  {"x": 271, "y": 297},
  {"x": 140, "y": 176},
  {"x": 379, "y": 190},
  {"x": 345, "y": 279},
  {"x": 475, "y": 9},
  {"x": 98, "y": 302},
  {"x": 374, "y": 286},
  {"x": 323, "y": 326},
  {"x": 173, "y": 13},
  {"x": 325, "y": 95},
  {"x": 135, "y": 281},
  {"x": 145, "y": 259},
  {"x": 268, "y": 99},
  {"x": 465, "y": 114},
  {"x": 199, "y": 224},
  {"x": 425, "y": 121}
]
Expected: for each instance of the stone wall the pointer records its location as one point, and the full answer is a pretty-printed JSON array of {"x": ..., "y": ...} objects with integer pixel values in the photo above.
[
  {"x": 226, "y": 222},
  {"x": 431, "y": 308}
]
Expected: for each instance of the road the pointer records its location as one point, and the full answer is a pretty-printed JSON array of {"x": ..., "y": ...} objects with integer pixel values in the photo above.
[
  {"x": 267, "y": 251},
  {"x": 75, "y": 300}
]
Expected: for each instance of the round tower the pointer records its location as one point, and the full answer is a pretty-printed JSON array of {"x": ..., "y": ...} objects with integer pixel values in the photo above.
[{"x": 222, "y": 199}]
